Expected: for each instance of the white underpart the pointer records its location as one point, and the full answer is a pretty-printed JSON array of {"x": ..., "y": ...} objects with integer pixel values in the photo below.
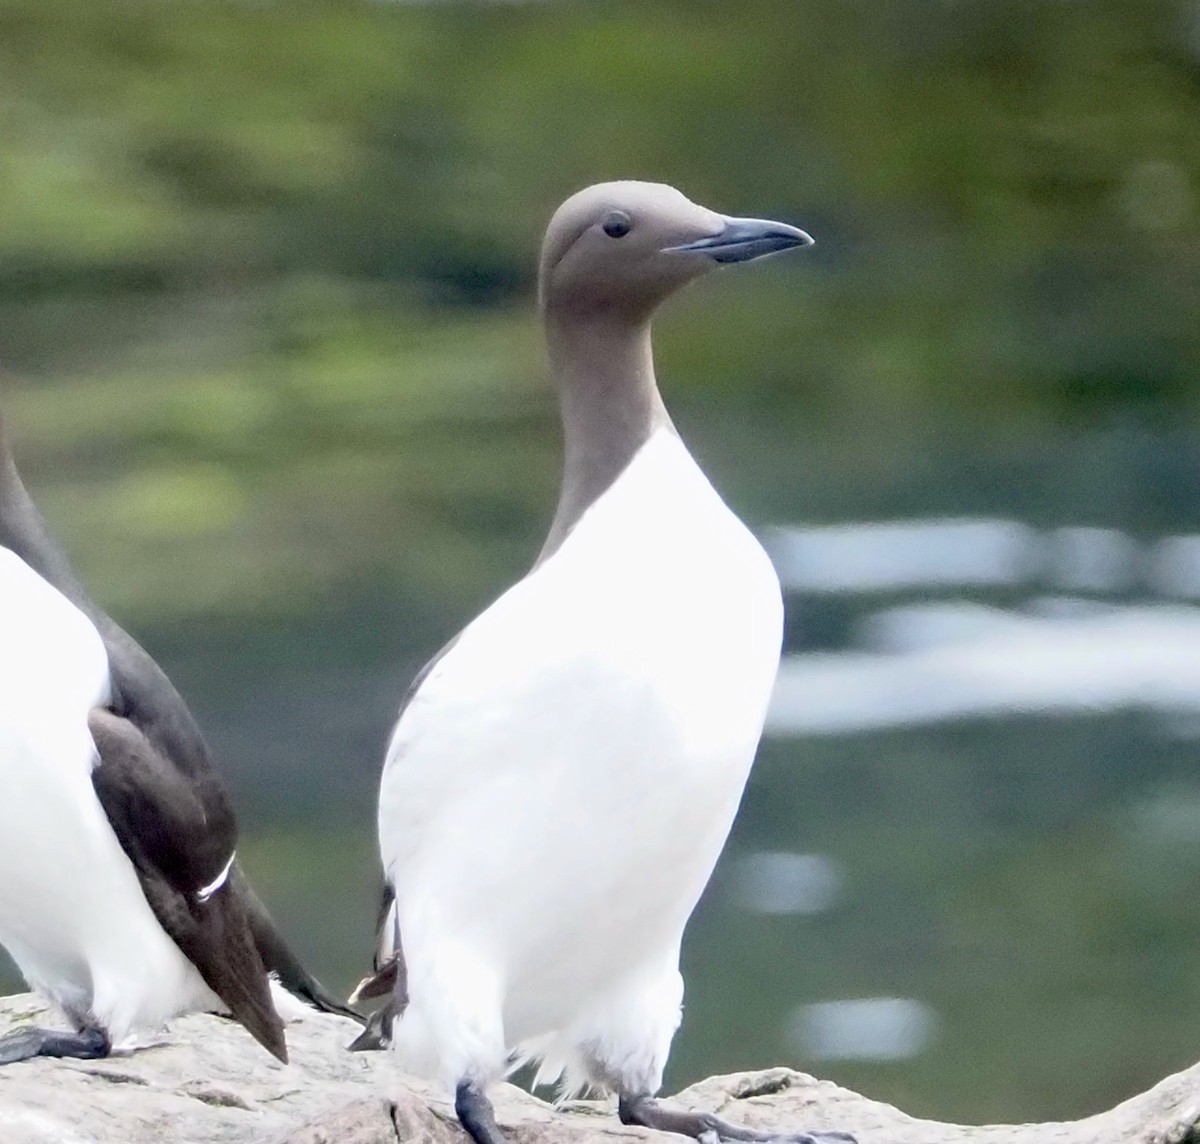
[
  {"x": 558, "y": 791},
  {"x": 72, "y": 912},
  {"x": 289, "y": 1007}
]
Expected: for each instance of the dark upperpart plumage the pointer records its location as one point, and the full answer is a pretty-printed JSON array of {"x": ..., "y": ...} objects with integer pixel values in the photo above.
[{"x": 168, "y": 805}]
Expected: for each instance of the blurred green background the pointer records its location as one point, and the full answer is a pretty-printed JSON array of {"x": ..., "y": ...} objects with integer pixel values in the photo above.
[{"x": 274, "y": 375}]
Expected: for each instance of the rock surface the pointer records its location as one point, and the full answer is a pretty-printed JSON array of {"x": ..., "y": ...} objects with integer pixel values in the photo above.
[{"x": 206, "y": 1082}]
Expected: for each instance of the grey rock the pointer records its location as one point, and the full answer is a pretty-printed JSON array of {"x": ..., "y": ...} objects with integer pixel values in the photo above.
[{"x": 206, "y": 1082}]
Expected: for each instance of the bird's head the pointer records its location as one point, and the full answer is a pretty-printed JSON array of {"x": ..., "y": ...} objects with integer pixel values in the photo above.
[{"x": 624, "y": 247}]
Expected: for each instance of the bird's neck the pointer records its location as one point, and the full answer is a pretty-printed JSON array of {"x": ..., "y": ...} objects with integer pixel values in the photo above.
[
  {"x": 15, "y": 505},
  {"x": 24, "y": 532},
  {"x": 604, "y": 369}
]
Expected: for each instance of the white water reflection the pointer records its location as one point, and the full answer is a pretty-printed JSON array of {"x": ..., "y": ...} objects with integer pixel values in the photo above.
[
  {"x": 1092, "y": 560},
  {"x": 877, "y": 557},
  {"x": 942, "y": 658},
  {"x": 950, "y": 660},
  {"x": 1175, "y": 567},
  {"x": 864, "y": 1029},
  {"x": 940, "y": 553},
  {"x": 780, "y": 882}
]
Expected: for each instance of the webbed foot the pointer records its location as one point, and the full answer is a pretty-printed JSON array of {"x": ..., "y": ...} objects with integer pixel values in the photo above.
[
  {"x": 709, "y": 1129},
  {"x": 376, "y": 1034},
  {"x": 25, "y": 1044},
  {"x": 476, "y": 1115}
]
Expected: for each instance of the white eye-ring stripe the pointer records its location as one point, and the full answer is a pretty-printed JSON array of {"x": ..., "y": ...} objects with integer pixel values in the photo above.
[{"x": 206, "y": 892}]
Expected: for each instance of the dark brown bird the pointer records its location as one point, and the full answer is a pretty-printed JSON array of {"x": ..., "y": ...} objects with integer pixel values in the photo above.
[{"x": 121, "y": 898}]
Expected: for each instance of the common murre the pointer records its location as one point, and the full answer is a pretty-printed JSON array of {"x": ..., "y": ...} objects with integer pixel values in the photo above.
[
  {"x": 121, "y": 898},
  {"x": 563, "y": 775}
]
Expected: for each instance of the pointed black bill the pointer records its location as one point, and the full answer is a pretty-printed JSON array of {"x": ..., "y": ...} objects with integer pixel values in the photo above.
[{"x": 742, "y": 239}]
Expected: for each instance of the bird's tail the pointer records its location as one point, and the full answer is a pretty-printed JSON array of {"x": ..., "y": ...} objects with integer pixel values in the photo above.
[{"x": 277, "y": 957}]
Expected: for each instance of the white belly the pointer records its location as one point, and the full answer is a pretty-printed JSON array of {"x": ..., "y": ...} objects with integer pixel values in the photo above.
[
  {"x": 559, "y": 790},
  {"x": 72, "y": 912}
]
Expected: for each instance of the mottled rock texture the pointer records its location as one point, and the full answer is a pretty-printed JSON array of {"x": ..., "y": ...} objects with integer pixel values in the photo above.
[{"x": 206, "y": 1082}]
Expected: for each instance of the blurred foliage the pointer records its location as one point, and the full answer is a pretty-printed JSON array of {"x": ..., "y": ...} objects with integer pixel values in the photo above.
[
  {"x": 1011, "y": 873},
  {"x": 279, "y": 254},
  {"x": 266, "y": 296}
]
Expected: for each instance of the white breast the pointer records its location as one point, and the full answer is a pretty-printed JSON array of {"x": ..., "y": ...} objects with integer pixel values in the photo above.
[
  {"x": 72, "y": 912},
  {"x": 559, "y": 789}
]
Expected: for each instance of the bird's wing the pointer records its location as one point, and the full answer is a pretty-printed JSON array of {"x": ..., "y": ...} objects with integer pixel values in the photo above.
[
  {"x": 182, "y": 793},
  {"x": 150, "y": 737},
  {"x": 139, "y": 689},
  {"x": 163, "y": 822},
  {"x": 146, "y": 698},
  {"x": 163, "y": 829}
]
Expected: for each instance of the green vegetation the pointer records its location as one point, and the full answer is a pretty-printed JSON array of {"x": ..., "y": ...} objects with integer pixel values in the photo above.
[
  {"x": 266, "y": 257},
  {"x": 266, "y": 304}
]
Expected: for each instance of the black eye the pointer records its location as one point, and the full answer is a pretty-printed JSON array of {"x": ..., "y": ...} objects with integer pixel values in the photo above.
[{"x": 616, "y": 224}]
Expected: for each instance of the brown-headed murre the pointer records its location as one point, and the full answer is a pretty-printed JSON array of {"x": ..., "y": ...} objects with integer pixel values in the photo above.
[{"x": 563, "y": 775}]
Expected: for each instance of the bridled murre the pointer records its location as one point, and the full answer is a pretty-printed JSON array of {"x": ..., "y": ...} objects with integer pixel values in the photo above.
[
  {"x": 564, "y": 773},
  {"x": 121, "y": 898}
]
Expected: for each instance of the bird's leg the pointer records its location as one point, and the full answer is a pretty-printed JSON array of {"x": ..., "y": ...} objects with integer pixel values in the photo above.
[
  {"x": 644, "y": 1110},
  {"x": 88, "y": 1044},
  {"x": 476, "y": 1115}
]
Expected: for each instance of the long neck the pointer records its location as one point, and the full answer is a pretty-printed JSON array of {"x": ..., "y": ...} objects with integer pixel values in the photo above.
[
  {"x": 140, "y": 688},
  {"x": 604, "y": 369},
  {"x": 23, "y": 530}
]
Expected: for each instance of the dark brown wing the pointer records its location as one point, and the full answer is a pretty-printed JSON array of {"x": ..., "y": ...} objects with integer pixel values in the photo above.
[
  {"x": 161, "y": 826},
  {"x": 204, "y": 841},
  {"x": 185, "y": 837},
  {"x": 178, "y": 828}
]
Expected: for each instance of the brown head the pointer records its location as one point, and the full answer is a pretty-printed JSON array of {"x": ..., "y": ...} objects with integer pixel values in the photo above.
[
  {"x": 624, "y": 247},
  {"x": 611, "y": 254}
]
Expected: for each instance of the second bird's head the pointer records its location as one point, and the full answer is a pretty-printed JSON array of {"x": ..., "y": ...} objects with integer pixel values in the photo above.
[{"x": 623, "y": 247}]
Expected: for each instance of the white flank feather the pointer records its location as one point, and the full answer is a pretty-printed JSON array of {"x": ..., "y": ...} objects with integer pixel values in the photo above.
[
  {"x": 72, "y": 912},
  {"x": 559, "y": 789}
]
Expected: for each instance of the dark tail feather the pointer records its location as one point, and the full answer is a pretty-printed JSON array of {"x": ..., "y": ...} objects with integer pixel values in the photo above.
[
  {"x": 251, "y": 1006},
  {"x": 223, "y": 950},
  {"x": 279, "y": 959}
]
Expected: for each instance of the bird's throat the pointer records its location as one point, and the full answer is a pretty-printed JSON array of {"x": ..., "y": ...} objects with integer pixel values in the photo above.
[{"x": 603, "y": 367}]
